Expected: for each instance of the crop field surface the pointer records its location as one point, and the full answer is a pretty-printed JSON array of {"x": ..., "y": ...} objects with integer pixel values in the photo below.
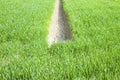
[{"x": 92, "y": 54}]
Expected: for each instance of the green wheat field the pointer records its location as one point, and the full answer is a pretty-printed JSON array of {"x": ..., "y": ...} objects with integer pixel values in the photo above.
[{"x": 92, "y": 54}]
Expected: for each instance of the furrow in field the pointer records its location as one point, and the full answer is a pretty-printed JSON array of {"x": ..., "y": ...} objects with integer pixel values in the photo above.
[{"x": 59, "y": 30}]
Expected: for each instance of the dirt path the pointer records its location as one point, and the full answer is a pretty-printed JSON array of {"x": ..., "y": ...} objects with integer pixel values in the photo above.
[{"x": 59, "y": 30}]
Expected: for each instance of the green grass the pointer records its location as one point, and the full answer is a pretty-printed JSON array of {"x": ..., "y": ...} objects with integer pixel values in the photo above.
[{"x": 92, "y": 54}]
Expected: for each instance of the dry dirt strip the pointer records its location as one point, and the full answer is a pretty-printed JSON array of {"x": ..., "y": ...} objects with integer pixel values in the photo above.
[{"x": 59, "y": 30}]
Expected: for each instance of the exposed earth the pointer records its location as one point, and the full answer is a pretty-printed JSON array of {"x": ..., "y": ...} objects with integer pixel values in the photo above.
[{"x": 59, "y": 30}]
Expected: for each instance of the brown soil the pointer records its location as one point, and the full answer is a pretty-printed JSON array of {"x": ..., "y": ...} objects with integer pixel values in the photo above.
[{"x": 59, "y": 30}]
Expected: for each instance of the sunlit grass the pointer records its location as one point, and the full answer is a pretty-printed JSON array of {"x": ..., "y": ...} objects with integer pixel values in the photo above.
[{"x": 92, "y": 54}]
